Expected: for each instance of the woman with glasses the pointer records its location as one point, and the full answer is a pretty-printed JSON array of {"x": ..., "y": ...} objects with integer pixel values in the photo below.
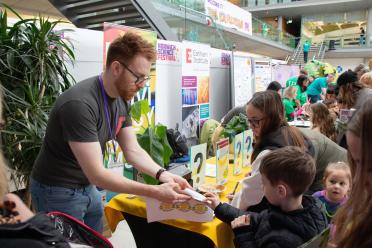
[
  {"x": 266, "y": 118},
  {"x": 265, "y": 113}
]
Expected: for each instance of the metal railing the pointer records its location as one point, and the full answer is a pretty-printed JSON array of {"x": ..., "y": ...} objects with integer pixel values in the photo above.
[
  {"x": 265, "y": 30},
  {"x": 190, "y": 8},
  {"x": 349, "y": 41},
  {"x": 259, "y": 3},
  {"x": 316, "y": 52},
  {"x": 189, "y": 23}
]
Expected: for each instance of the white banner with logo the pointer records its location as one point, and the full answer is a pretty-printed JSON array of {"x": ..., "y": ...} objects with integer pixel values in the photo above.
[
  {"x": 229, "y": 15},
  {"x": 195, "y": 87}
]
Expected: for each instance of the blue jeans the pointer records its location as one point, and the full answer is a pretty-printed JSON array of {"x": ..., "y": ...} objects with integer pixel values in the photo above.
[
  {"x": 313, "y": 98},
  {"x": 83, "y": 204}
]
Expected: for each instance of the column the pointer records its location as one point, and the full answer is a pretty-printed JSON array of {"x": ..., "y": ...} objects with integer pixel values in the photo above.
[
  {"x": 369, "y": 27},
  {"x": 280, "y": 28}
]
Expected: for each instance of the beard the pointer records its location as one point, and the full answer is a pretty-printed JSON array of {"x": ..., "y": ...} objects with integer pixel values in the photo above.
[{"x": 125, "y": 91}]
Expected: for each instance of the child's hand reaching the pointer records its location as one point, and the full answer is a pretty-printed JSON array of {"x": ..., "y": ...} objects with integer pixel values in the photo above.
[
  {"x": 212, "y": 200},
  {"x": 243, "y": 220}
]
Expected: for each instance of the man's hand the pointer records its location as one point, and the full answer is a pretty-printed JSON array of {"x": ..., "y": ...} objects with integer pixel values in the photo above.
[
  {"x": 212, "y": 200},
  {"x": 243, "y": 220},
  {"x": 170, "y": 193},
  {"x": 168, "y": 177}
]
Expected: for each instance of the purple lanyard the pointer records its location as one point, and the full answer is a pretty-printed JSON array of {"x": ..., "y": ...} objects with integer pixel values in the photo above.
[{"x": 112, "y": 131}]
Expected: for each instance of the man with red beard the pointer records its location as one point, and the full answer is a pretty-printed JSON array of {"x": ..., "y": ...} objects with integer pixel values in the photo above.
[{"x": 83, "y": 119}]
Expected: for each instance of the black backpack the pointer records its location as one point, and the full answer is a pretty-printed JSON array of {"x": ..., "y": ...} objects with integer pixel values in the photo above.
[{"x": 178, "y": 143}]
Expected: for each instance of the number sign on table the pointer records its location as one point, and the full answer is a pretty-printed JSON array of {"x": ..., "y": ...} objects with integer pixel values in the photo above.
[{"x": 198, "y": 157}]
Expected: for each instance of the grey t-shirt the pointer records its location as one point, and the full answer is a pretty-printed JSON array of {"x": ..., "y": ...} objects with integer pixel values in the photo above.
[
  {"x": 326, "y": 151},
  {"x": 78, "y": 115}
]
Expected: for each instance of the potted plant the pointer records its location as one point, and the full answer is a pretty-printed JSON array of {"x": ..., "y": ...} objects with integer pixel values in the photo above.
[
  {"x": 33, "y": 73},
  {"x": 153, "y": 139},
  {"x": 237, "y": 124}
]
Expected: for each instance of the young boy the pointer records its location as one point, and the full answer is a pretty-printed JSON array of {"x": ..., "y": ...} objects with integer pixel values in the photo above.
[{"x": 292, "y": 218}]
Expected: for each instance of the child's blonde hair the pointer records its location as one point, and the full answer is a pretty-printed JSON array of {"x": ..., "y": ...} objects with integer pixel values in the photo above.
[
  {"x": 337, "y": 166},
  {"x": 290, "y": 92}
]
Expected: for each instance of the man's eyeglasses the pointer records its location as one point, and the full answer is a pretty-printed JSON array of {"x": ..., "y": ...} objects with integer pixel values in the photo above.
[
  {"x": 138, "y": 79},
  {"x": 254, "y": 122}
]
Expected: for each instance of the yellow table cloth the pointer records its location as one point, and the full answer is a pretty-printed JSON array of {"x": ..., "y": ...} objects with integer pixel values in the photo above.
[{"x": 217, "y": 231}]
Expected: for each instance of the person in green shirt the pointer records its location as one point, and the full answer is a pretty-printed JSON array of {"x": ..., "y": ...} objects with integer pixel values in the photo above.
[
  {"x": 301, "y": 86},
  {"x": 293, "y": 80},
  {"x": 288, "y": 96}
]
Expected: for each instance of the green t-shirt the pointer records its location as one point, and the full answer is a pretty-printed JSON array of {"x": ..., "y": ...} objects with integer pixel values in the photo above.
[
  {"x": 291, "y": 82},
  {"x": 288, "y": 108},
  {"x": 301, "y": 95}
]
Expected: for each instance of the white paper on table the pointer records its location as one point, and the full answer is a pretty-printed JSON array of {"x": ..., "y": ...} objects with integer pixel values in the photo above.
[
  {"x": 300, "y": 123},
  {"x": 210, "y": 170},
  {"x": 191, "y": 210},
  {"x": 195, "y": 195}
]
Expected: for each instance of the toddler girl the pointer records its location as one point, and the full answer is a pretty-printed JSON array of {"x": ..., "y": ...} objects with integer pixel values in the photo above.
[{"x": 337, "y": 183}]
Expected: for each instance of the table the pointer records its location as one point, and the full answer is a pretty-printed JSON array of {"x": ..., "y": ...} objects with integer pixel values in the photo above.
[{"x": 188, "y": 233}]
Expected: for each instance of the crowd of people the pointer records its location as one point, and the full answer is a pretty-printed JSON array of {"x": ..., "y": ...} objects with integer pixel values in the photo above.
[
  {"x": 272, "y": 208},
  {"x": 302, "y": 182}
]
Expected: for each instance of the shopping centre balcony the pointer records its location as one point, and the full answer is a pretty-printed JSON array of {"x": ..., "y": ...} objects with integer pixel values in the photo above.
[
  {"x": 190, "y": 22},
  {"x": 264, "y": 8},
  {"x": 177, "y": 20}
]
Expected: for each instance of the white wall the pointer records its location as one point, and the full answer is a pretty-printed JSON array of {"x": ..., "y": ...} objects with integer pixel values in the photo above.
[
  {"x": 168, "y": 100},
  {"x": 88, "y": 46},
  {"x": 345, "y": 63},
  {"x": 220, "y": 84}
]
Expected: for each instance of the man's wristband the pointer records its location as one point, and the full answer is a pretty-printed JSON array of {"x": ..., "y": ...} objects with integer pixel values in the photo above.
[{"x": 160, "y": 171}]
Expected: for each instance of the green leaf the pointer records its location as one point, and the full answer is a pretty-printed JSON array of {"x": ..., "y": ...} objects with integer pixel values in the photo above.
[
  {"x": 135, "y": 111},
  {"x": 161, "y": 132},
  {"x": 154, "y": 141},
  {"x": 138, "y": 109},
  {"x": 236, "y": 125}
]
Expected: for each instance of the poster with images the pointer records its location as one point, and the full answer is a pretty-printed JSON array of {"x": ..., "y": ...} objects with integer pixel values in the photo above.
[
  {"x": 262, "y": 74},
  {"x": 247, "y": 147},
  {"x": 281, "y": 73},
  {"x": 241, "y": 79},
  {"x": 190, "y": 121},
  {"x": 198, "y": 158},
  {"x": 238, "y": 153},
  {"x": 195, "y": 88},
  {"x": 222, "y": 161}
]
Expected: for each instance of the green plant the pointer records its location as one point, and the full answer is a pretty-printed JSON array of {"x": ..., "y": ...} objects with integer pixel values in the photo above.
[
  {"x": 33, "y": 73},
  {"x": 237, "y": 124},
  {"x": 317, "y": 68},
  {"x": 152, "y": 139}
]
